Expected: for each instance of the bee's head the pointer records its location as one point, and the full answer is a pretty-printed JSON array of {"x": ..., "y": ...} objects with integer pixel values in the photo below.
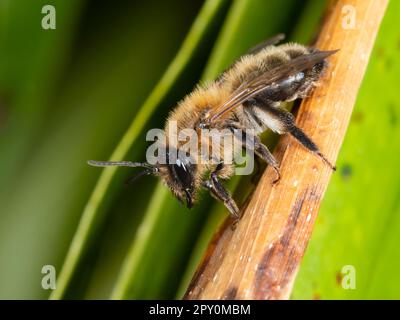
[{"x": 179, "y": 175}]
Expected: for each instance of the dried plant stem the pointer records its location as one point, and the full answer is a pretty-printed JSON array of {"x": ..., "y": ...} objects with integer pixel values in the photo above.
[{"x": 260, "y": 257}]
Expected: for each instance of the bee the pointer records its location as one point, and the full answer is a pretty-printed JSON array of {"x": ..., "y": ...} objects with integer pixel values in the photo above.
[{"x": 248, "y": 95}]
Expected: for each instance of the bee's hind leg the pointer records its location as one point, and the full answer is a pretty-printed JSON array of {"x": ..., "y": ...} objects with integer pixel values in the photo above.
[
  {"x": 285, "y": 120},
  {"x": 220, "y": 193}
]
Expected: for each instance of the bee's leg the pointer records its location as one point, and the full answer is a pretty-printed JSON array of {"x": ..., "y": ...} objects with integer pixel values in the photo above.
[
  {"x": 220, "y": 193},
  {"x": 285, "y": 123},
  {"x": 263, "y": 152},
  {"x": 260, "y": 150}
]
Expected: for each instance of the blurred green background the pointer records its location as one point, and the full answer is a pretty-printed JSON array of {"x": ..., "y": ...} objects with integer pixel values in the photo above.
[{"x": 91, "y": 88}]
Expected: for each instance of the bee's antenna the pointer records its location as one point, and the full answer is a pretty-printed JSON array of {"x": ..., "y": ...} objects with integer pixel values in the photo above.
[
  {"x": 122, "y": 164},
  {"x": 138, "y": 175}
]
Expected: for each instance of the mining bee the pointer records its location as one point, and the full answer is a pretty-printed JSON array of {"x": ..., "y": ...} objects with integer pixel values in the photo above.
[{"x": 248, "y": 95}]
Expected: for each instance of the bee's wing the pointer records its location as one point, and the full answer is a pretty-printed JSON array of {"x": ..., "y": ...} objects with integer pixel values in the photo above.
[
  {"x": 249, "y": 89},
  {"x": 269, "y": 42}
]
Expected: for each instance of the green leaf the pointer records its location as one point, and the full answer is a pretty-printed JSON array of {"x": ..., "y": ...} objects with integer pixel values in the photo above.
[{"x": 32, "y": 60}]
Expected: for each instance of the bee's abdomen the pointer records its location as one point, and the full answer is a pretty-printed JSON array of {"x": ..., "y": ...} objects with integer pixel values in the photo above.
[
  {"x": 293, "y": 87},
  {"x": 298, "y": 85}
]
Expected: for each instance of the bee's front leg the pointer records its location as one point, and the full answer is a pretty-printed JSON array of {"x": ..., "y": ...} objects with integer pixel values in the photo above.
[{"x": 220, "y": 193}]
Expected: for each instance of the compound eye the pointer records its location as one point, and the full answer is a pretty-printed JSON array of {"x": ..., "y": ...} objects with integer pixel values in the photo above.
[{"x": 183, "y": 174}]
